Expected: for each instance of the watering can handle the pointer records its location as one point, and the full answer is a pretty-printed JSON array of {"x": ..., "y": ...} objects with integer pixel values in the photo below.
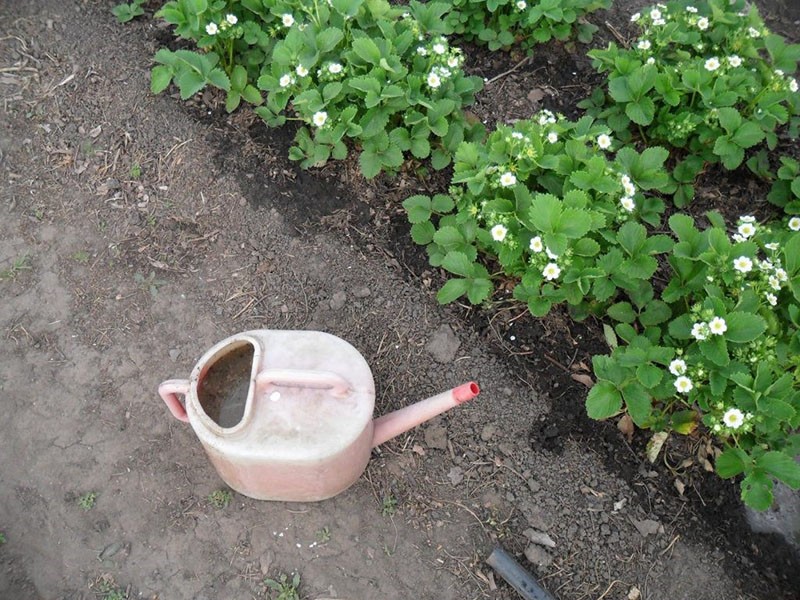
[
  {"x": 339, "y": 386},
  {"x": 169, "y": 391}
]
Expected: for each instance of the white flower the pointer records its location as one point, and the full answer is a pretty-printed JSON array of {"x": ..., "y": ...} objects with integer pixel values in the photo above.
[
  {"x": 781, "y": 275},
  {"x": 550, "y": 254},
  {"x": 700, "y": 331},
  {"x": 733, "y": 418},
  {"x": 422, "y": 51},
  {"x": 771, "y": 246},
  {"x": 231, "y": 19},
  {"x": 286, "y": 80},
  {"x": 551, "y": 271},
  {"x": 677, "y": 367},
  {"x": 683, "y": 384},
  {"x": 691, "y": 9},
  {"x": 522, "y": 5},
  {"x": 643, "y": 45},
  {"x": 702, "y": 23},
  {"x": 287, "y": 19},
  {"x": 774, "y": 283},
  {"x": 717, "y": 326},
  {"x": 335, "y": 68},
  {"x": 439, "y": 48},
  {"x": 651, "y": 61},
  {"x": 712, "y": 64},
  {"x": 319, "y": 118},
  {"x": 507, "y": 179},
  {"x": 536, "y": 244},
  {"x": 604, "y": 141},
  {"x": 635, "y": 17},
  {"x": 452, "y": 62},
  {"x": 772, "y": 298},
  {"x": 552, "y": 137},
  {"x": 779, "y": 73},
  {"x": 743, "y": 264},
  {"x": 433, "y": 80},
  {"x": 655, "y": 14},
  {"x": 765, "y": 265},
  {"x": 794, "y": 223},
  {"x": 627, "y": 203},
  {"x": 499, "y": 232},
  {"x": 735, "y": 60},
  {"x": 517, "y": 135},
  {"x": 301, "y": 71},
  {"x": 747, "y": 219},
  {"x": 212, "y": 29},
  {"x": 629, "y": 188},
  {"x": 793, "y": 84},
  {"x": 747, "y": 230},
  {"x": 659, "y": 21},
  {"x": 754, "y": 33}
]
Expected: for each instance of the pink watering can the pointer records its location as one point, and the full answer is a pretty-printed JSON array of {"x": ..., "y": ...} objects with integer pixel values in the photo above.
[{"x": 287, "y": 415}]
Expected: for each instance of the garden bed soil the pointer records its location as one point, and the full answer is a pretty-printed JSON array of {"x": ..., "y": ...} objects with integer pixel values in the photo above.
[{"x": 137, "y": 231}]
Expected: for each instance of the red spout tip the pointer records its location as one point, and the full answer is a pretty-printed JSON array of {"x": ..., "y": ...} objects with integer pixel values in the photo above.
[{"x": 466, "y": 391}]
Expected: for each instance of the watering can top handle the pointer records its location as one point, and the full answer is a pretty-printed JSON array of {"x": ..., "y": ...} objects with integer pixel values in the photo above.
[
  {"x": 169, "y": 391},
  {"x": 339, "y": 386}
]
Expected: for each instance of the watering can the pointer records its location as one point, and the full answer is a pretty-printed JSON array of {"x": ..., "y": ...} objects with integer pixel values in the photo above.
[{"x": 287, "y": 415}]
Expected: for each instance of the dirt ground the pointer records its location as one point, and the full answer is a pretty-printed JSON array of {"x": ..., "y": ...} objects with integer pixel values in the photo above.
[{"x": 137, "y": 231}]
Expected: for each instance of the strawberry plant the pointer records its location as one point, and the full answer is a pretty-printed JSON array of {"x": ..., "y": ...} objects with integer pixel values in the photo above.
[{"x": 706, "y": 79}]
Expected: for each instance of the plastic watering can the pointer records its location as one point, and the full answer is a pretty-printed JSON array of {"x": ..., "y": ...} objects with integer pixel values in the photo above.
[{"x": 287, "y": 415}]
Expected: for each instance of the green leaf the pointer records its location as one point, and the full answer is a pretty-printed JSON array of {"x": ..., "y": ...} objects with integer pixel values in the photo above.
[
  {"x": 732, "y": 462},
  {"x": 757, "y": 491},
  {"x": 370, "y": 164},
  {"x": 160, "y": 77},
  {"x": 418, "y": 208},
  {"x": 716, "y": 350},
  {"x": 545, "y": 212},
  {"x": 782, "y": 467},
  {"x": 479, "y": 290},
  {"x": 729, "y": 119},
  {"x": 367, "y": 50},
  {"x": 649, "y": 375},
  {"x": 642, "y": 111},
  {"x": 422, "y": 233},
  {"x": 743, "y": 327},
  {"x": 622, "y": 311},
  {"x": 657, "y": 312},
  {"x": 189, "y": 83},
  {"x": 748, "y": 135},
  {"x": 638, "y": 403},
  {"x": 452, "y": 290},
  {"x": 632, "y": 237},
  {"x": 603, "y": 401},
  {"x": 458, "y": 263}
]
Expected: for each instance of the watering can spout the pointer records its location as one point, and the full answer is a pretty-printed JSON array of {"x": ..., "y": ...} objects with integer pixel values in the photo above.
[{"x": 400, "y": 421}]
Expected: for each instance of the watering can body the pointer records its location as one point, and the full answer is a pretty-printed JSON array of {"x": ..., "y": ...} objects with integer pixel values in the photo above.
[{"x": 287, "y": 415}]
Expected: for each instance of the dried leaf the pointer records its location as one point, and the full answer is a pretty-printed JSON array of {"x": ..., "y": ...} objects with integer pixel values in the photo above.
[
  {"x": 679, "y": 485},
  {"x": 417, "y": 449},
  {"x": 655, "y": 444},
  {"x": 584, "y": 379},
  {"x": 626, "y": 426},
  {"x": 535, "y": 94}
]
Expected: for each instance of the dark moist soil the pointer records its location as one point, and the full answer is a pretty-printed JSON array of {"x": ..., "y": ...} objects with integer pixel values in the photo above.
[{"x": 552, "y": 354}]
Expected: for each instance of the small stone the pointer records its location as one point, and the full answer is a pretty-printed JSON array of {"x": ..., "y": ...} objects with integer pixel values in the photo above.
[
  {"x": 488, "y": 431},
  {"x": 338, "y": 301},
  {"x": 538, "y": 556},
  {"x": 362, "y": 292},
  {"x": 647, "y": 526},
  {"x": 174, "y": 354},
  {"x": 455, "y": 475},
  {"x": 436, "y": 437},
  {"x": 539, "y": 537},
  {"x": 443, "y": 345},
  {"x": 534, "y": 485},
  {"x": 634, "y": 593}
]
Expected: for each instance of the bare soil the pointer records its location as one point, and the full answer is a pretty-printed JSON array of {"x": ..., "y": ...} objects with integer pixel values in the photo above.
[{"x": 137, "y": 231}]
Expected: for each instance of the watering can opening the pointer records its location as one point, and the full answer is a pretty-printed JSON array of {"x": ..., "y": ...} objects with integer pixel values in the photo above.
[{"x": 224, "y": 386}]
